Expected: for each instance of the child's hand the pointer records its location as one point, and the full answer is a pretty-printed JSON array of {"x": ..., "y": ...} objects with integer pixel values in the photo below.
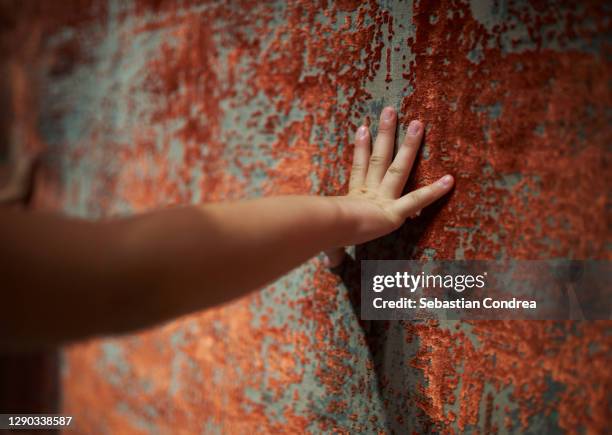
[{"x": 376, "y": 182}]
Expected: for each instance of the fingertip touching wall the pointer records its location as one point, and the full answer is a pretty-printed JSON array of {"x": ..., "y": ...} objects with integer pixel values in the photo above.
[{"x": 150, "y": 103}]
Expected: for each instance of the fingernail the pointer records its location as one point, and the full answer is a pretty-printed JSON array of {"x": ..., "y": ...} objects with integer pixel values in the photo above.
[
  {"x": 362, "y": 132},
  {"x": 414, "y": 128},
  {"x": 446, "y": 181},
  {"x": 388, "y": 114}
]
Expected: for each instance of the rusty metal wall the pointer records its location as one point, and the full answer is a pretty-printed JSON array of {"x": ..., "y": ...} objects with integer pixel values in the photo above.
[{"x": 150, "y": 103}]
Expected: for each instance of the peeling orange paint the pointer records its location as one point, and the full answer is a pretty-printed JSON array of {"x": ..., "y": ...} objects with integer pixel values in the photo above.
[{"x": 200, "y": 101}]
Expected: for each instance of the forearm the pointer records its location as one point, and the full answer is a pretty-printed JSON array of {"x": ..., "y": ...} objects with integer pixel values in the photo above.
[
  {"x": 69, "y": 279},
  {"x": 195, "y": 257}
]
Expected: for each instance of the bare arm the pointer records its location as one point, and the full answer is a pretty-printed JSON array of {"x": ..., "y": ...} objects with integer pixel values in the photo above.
[{"x": 68, "y": 279}]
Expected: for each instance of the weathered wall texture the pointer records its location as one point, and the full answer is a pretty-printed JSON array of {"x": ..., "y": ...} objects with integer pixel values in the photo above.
[{"x": 165, "y": 102}]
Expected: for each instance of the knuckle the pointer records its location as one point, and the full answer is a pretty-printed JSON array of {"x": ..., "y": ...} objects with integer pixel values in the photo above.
[
  {"x": 358, "y": 167},
  {"x": 395, "y": 170},
  {"x": 411, "y": 143},
  {"x": 377, "y": 160},
  {"x": 385, "y": 129}
]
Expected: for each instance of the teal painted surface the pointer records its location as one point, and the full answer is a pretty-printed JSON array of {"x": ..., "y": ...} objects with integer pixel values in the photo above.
[{"x": 148, "y": 105}]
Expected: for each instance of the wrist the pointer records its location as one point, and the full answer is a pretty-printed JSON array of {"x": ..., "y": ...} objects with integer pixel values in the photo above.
[
  {"x": 355, "y": 229},
  {"x": 364, "y": 220}
]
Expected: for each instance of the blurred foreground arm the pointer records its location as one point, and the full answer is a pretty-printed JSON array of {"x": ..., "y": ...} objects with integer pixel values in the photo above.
[{"x": 66, "y": 279}]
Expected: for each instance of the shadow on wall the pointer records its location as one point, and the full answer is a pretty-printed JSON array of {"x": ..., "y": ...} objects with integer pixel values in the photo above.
[{"x": 390, "y": 345}]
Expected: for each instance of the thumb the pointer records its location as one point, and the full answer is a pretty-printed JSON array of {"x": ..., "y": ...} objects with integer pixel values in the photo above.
[{"x": 334, "y": 257}]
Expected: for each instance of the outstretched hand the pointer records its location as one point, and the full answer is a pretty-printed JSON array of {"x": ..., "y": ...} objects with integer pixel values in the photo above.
[{"x": 377, "y": 181}]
